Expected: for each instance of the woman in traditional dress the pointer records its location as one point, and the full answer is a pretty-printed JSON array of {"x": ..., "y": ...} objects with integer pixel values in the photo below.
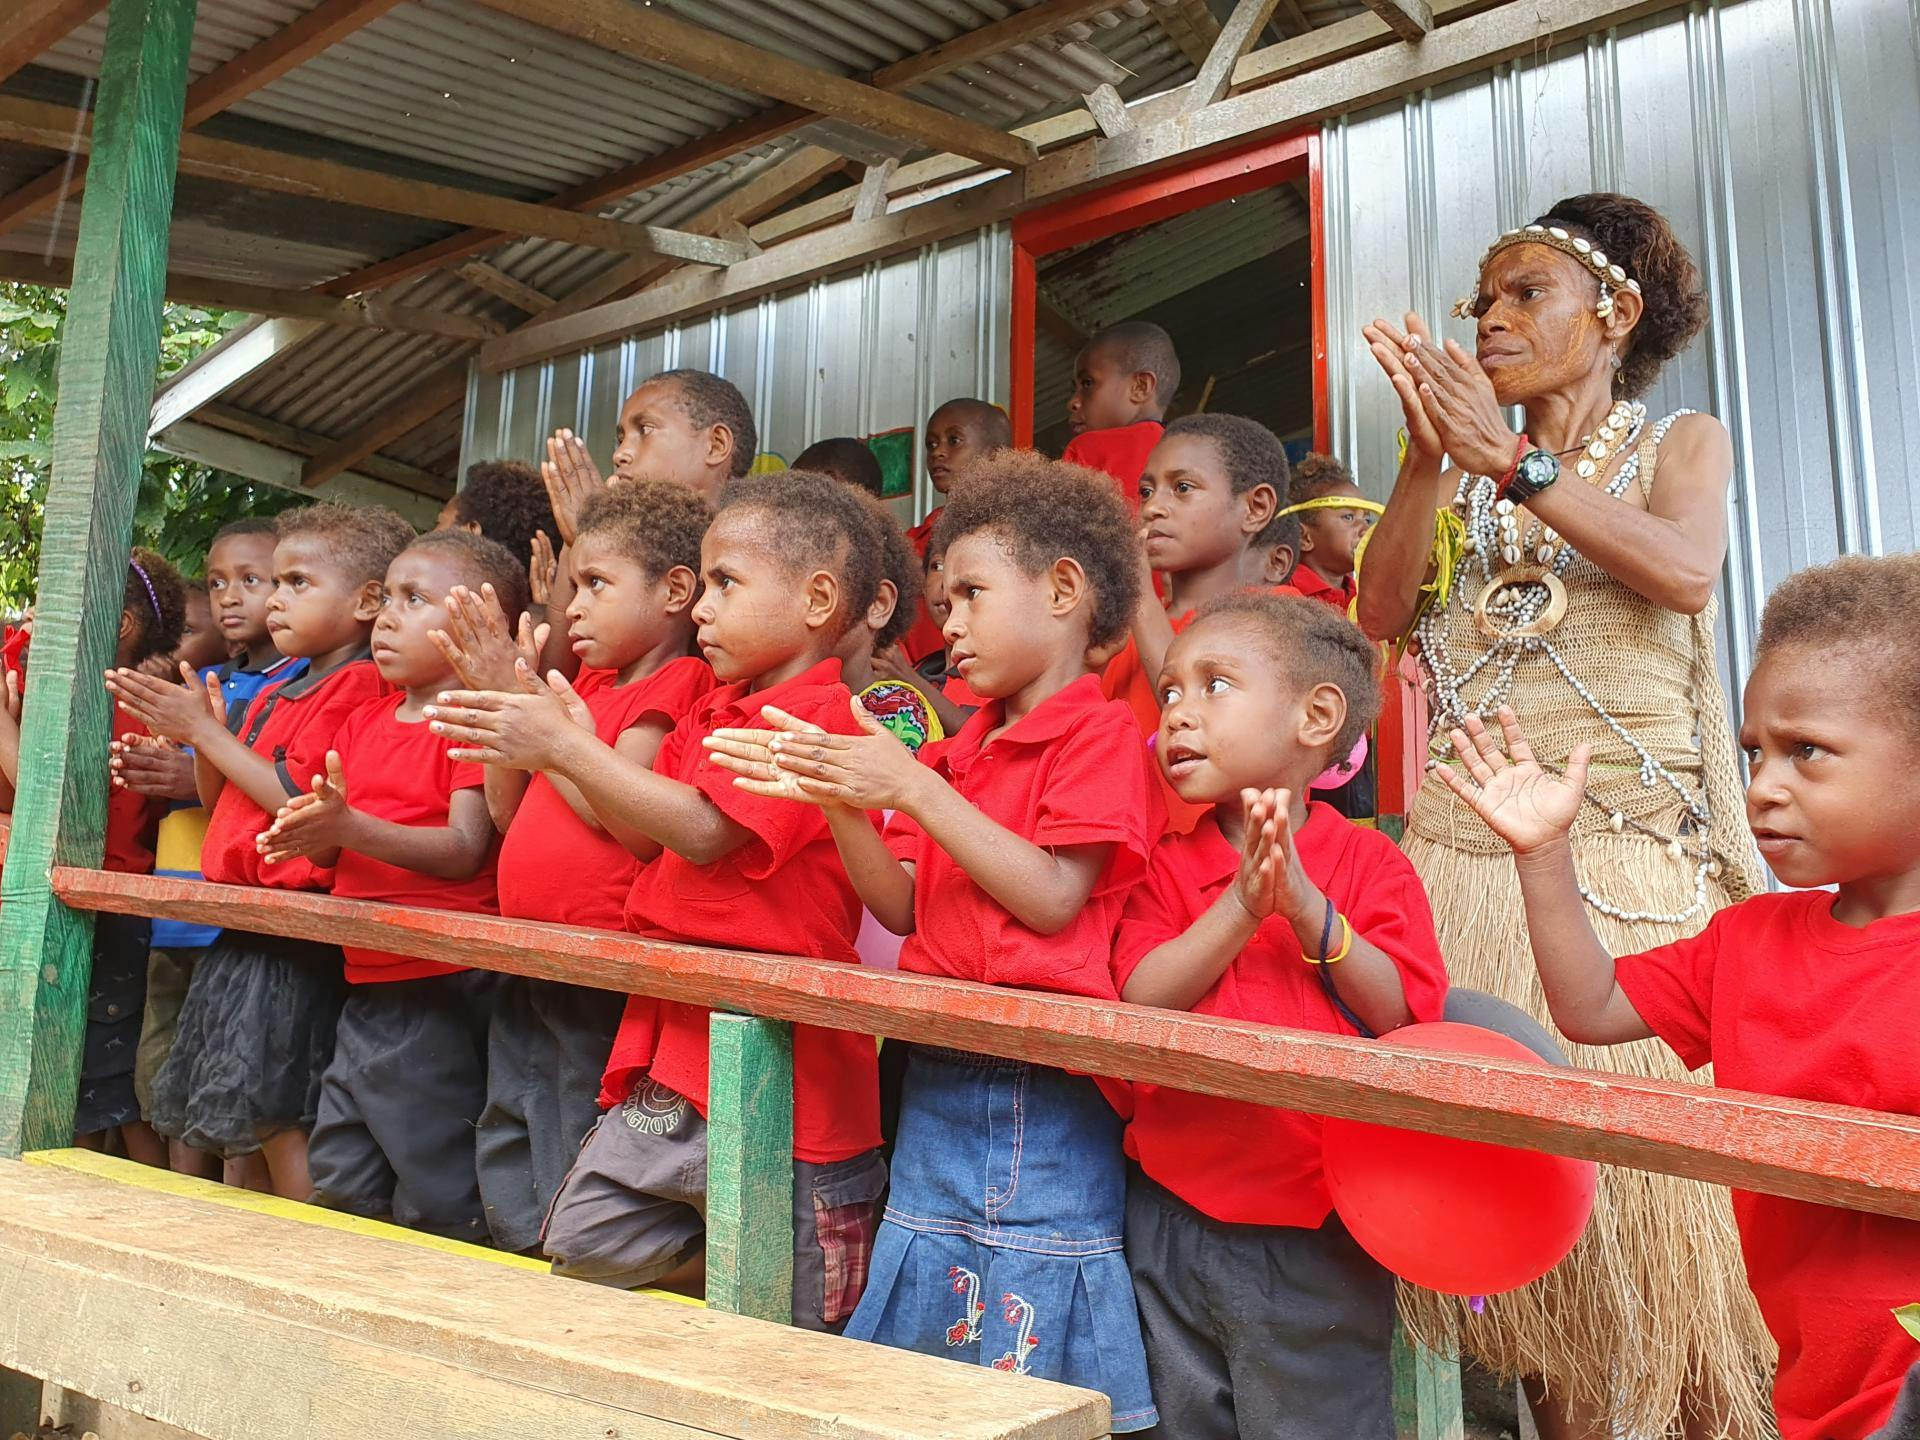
[{"x": 1569, "y": 572}]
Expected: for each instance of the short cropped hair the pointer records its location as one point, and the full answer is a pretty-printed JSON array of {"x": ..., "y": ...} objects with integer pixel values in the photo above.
[
  {"x": 1141, "y": 345},
  {"x": 483, "y": 562},
  {"x": 1315, "y": 645},
  {"x": 817, "y": 524},
  {"x": 847, "y": 460},
  {"x": 1249, "y": 452},
  {"x": 1317, "y": 475},
  {"x": 1857, "y": 606},
  {"x": 1047, "y": 510},
  {"x": 251, "y": 525},
  {"x": 995, "y": 428},
  {"x": 508, "y": 502},
  {"x": 706, "y": 400},
  {"x": 655, "y": 523},
  {"x": 1283, "y": 529},
  {"x": 156, "y": 597},
  {"x": 899, "y": 564},
  {"x": 361, "y": 539}
]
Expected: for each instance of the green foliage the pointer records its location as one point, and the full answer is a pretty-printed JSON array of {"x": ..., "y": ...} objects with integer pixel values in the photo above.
[{"x": 181, "y": 503}]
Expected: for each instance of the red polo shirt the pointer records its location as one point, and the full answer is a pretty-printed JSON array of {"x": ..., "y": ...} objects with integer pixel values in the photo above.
[
  {"x": 1121, "y": 452},
  {"x": 1070, "y": 772},
  {"x": 1308, "y": 582},
  {"x": 133, "y": 819},
  {"x": 400, "y": 772},
  {"x": 1253, "y": 1164},
  {"x": 553, "y": 865},
  {"x": 784, "y": 892},
  {"x": 294, "y": 725},
  {"x": 1783, "y": 999}
]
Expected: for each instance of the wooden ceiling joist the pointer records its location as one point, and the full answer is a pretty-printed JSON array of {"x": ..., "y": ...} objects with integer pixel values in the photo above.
[
  {"x": 1409, "y": 19},
  {"x": 1023, "y": 27},
  {"x": 1236, "y": 37},
  {"x": 498, "y": 283},
  {"x": 33, "y": 26},
  {"x": 649, "y": 33},
  {"x": 443, "y": 389}
]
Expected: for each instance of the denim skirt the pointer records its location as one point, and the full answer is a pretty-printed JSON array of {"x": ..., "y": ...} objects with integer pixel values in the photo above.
[{"x": 1001, "y": 1244}]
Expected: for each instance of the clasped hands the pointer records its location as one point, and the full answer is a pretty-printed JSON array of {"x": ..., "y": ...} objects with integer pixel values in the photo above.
[
  {"x": 1448, "y": 401},
  {"x": 795, "y": 760}
]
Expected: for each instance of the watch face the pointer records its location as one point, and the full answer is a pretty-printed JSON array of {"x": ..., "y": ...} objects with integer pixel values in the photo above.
[{"x": 1538, "y": 469}]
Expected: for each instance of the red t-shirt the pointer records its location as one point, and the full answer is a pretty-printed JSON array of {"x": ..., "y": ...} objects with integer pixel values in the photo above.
[
  {"x": 1253, "y": 1164},
  {"x": 1070, "y": 772},
  {"x": 294, "y": 725},
  {"x": 784, "y": 892},
  {"x": 1783, "y": 999},
  {"x": 925, "y": 637},
  {"x": 133, "y": 819},
  {"x": 401, "y": 772},
  {"x": 1308, "y": 582},
  {"x": 1121, "y": 452},
  {"x": 553, "y": 865}
]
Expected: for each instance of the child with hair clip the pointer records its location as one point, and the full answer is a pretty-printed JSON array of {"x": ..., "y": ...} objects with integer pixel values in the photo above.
[
  {"x": 1809, "y": 993},
  {"x": 635, "y": 562},
  {"x": 1256, "y": 1302},
  {"x": 789, "y": 567},
  {"x": 1008, "y": 858},
  {"x": 256, "y": 1027}
]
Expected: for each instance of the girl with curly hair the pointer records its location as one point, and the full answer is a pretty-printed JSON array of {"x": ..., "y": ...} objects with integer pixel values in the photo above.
[{"x": 1567, "y": 572}]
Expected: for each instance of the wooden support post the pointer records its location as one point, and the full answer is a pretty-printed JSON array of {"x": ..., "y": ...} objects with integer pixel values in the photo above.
[
  {"x": 99, "y": 433},
  {"x": 1426, "y": 1392},
  {"x": 750, "y": 1167}
]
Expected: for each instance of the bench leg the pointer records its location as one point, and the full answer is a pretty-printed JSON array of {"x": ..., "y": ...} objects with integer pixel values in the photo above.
[
  {"x": 750, "y": 1167},
  {"x": 1426, "y": 1392}
]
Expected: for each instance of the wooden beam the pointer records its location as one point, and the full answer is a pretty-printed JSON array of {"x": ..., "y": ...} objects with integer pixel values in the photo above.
[
  {"x": 221, "y": 416},
  {"x": 1243, "y": 26},
  {"x": 1409, "y": 19},
  {"x": 1191, "y": 27},
  {"x": 439, "y": 391},
  {"x": 1109, "y": 111},
  {"x": 213, "y": 372},
  {"x": 107, "y": 358},
  {"x": 271, "y": 465},
  {"x": 750, "y": 1167},
  {"x": 871, "y": 203},
  {"x": 31, "y": 27},
  {"x": 1023, "y": 27},
  {"x": 649, "y": 33},
  {"x": 498, "y": 283}
]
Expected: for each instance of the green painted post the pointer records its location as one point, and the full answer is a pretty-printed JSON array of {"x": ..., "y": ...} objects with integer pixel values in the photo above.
[
  {"x": 111, "y": 347},
  {"x": 1426, "y": 1392},
  {"x": 750, "y": 1167}
]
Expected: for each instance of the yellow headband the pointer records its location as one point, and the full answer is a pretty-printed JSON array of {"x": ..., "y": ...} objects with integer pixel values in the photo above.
[{"x": 1335, "y": 502}]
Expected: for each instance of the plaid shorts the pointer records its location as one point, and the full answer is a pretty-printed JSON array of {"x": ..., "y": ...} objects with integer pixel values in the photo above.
[{"x": 633, "y": 1208}]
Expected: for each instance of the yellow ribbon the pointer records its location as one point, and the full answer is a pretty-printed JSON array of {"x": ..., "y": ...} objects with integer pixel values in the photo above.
[
  {"x": 1449, "y": 540},
  {"x": 1334, "y": 502}
]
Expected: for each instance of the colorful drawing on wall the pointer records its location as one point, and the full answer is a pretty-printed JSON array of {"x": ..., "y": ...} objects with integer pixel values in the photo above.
[{"x": 894, "y": 450}]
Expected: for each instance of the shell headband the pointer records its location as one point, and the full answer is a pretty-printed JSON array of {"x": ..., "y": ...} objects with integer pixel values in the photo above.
[{"x": 1610, "y": 275}]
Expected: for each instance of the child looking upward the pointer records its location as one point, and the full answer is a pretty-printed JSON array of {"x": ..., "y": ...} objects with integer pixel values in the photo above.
[
  {"x": 1330, "y": 533},
  {"x": 847, "y": 460},
  {"x": 1008, "y": 858},
  {"x": 1256, "y": 1301},
  {"x": 1810, "y": 993},
  {"x": 960, "y": 433},
  {"x": 789, "y": 568},
  {"x": 397, "y": 821},
  {"x": 1123, "y": 381}
]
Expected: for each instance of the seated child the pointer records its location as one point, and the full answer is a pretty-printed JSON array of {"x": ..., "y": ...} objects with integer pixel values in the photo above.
[
  {"x": 847, "y": 460},
  {"x": 1124, "y": 379},
  {"x": 398, "y": 821},
  {"x": 504, "y": 501},
  {"x": 1808, "y": 993},
  {"x": 1255, "y": 1300},
  {"x": 1008, "y": 858},
  {"x": 1330, "y": 533},
  {"x": 959, "y": 433},
  {"x": 789, "y": 568},
  {"x": 636, "y": 561},
  {"x": 256, "y": 1028}
]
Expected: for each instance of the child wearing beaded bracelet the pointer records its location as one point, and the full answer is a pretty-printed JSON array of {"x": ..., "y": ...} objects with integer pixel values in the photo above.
[{"x": 1256, "y": 1302}]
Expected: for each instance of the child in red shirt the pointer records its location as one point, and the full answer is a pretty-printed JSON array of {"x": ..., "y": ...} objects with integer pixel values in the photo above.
[
  {"x": 635, "y": 560},
  {"x": 1123, "y": 380},
  {"x": 959, "y": 433},
  {"x": 1809, "y": 994},
  {"x": 1010, "y": 852},
  {"x": 789, "y": 567},
  {"x": 1330, "y": 533},
  {"x": 1256, "y": 1301},
  {"x": 398, "y": 821}
]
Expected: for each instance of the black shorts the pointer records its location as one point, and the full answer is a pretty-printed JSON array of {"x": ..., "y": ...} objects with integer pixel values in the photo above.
[{"x": 116, "y": 1002}]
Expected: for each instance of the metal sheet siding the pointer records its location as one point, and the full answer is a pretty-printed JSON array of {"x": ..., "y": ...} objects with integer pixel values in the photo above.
[
  {"x": 859, "y": 353},
  {"x": 1778, "y": 136}
]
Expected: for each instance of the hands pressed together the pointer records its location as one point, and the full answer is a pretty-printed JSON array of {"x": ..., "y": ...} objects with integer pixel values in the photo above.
[
  {"x": 483, "y": 646},
  {"x": 1448, "y": 401},
  {"x": 181, "y": 712},
  {"x": 522, "y": 729}
]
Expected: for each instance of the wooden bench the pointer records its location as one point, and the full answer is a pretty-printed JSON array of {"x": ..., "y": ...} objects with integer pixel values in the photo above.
[{"x": 202, "y": 1316}]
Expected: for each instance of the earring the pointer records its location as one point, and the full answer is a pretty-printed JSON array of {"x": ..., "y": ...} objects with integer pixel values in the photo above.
[
  {"x": 1616, "y": 360},
  {"x": 1605, "y": 306}
]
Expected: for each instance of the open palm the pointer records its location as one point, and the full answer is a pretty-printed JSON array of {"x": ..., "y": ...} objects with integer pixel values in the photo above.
[{"x": 1522, "y": 802}]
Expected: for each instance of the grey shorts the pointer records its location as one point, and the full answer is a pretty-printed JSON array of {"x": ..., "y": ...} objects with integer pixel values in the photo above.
[{"x": 634, "y": 1207}]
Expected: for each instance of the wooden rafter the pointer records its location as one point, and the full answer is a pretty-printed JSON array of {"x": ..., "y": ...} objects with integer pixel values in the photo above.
[
  {"x": 1409, "y": 19},
  {"x": 438, "y": 393},
  {"x": 498, "y": 283},
  {"x": 1235, "y": 39},
  {"x": 649, "y": 33},
  {"x": 1191, "y": 27},
  {"x": 1020, "y": 28},
  {"x": 1109, "y": 111},
  {"x": 32, "y": 26},
  {"x": 222, "y": 416}
]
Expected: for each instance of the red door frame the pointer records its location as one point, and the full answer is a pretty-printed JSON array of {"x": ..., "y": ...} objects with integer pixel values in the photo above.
[{"x": 1144, "y": 199}]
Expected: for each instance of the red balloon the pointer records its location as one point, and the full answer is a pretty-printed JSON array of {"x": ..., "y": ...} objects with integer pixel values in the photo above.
[{"x": 1459, "y": 1216}]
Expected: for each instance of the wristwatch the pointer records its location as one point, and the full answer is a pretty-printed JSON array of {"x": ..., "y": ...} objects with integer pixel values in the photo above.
[{"x": 1537, "y": 470}]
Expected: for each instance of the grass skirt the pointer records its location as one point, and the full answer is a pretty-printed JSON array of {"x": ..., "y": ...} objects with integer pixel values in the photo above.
[{"x": 1653, "y": 1301}]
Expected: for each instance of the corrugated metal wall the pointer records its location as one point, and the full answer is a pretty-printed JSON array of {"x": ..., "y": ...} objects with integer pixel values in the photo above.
[
  {"x": 855, "y": 354},
  {"x": 1782, "y": 139}
]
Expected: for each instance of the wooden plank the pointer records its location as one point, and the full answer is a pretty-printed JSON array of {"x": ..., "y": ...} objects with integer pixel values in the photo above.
[
  {"x": 1408, "y": 19},
  {"x": 1023, "y": 27},
  {"x": 1828, "y": 1154},
  {"x": 32, "y": 26},
  {"x": 1191, "y": 26},
  {"x": 871, "y": 203},
  {"x": 1109, "y": 111},
  {"x": 498, "y": 283},
  {"x": 272, "y": 465},
  {"x": 1426, "y": 1392},
  {"x": 435, "y": 394},
  {"x": 221, "y": 416},
  {"x": 750, "y": 1167},
  {"x": 235, "y": 1326},
  {"x": 110, "y": 349},
  {"x": 1243, "y": 26},
  {"x": 244, "y": 352},
  {"x": 649, "y": 33}
]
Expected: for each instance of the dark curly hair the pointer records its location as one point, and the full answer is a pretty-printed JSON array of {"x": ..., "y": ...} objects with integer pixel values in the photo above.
[
  {"x": 1283, "y": 529},
  {"x": 361, "y": 539},
  {"x": 1315, "y": 645},
  {"x": 707, "y": 400},
  {"x": 1249, "y": 452},
  {"x": 1046, "y": 510},
  {"x": 1857, "y": 607},
  {"x": 156, "y": 597},
  {"x": 1638, "y": 238},
  {"x": 847, "y": 460},
  {"x": 507, "y": 502},
  {"x": 898, "y": 564},
  {"x": 483, "y": 562},
  {"x": 1318, "y": 475},
  {"x": 654, "y": 522},
  {"x": 815, "y": 523}
]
